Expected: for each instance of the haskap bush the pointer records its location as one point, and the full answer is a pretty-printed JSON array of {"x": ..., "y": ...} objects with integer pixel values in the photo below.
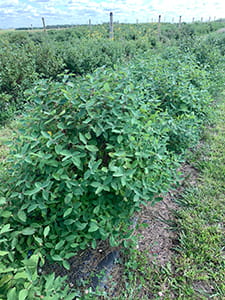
[{"x": 95, "y": 148}]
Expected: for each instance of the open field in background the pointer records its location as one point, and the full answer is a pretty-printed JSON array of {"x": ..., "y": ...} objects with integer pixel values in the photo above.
[{"x": 103, "y": 126}]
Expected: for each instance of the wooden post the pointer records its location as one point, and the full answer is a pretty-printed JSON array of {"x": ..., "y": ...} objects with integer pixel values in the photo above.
[
  {"x": 43, "y": 21},
  {"x": 111, "y": 26},
  {"x": 180, "y": 22},
  {"x": 159, "y": 27},
  {"x": 193, "y": 19}
]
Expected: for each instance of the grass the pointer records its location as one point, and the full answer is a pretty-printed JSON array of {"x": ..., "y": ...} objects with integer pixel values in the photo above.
[
  {"x": 197, "y": 268},
  {"x": 6, "y": 134}
]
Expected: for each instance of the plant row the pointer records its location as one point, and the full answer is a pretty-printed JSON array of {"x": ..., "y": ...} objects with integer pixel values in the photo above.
[
  {"x": 91, "y": 151},
  {"x": 28, "y": 56}
]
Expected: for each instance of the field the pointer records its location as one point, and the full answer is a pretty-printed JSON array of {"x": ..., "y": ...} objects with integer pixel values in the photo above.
[{"x": 111, "y": 155}]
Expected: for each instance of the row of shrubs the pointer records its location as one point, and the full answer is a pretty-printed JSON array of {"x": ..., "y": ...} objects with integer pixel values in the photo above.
[
  {"x": 91, "y": 150},
  {"x": 28, "y": 56},
  {"x": 21, "y": 65}
]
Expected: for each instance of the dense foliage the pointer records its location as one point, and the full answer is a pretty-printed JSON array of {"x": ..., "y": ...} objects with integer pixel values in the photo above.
[
  {"x": 92, "y": 149},
  {"x": 28, "y": 55}
]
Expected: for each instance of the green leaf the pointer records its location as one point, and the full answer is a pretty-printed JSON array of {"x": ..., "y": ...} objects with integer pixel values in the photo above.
[
  {"x": 77, "y": 162},
  {"x": 93, "y": 227},
  {"x": 106, "y": 87},
  {"x": 3, "y": 253},
  {"x": 82, "y": 138},
  {"x": 5, "y": 228},
  {"x": 46, "y": 135},
  {"x": 67, "y": 212},
  {"x": 2, "y": 201},
  {"x": 22, "y": 216},
  {"x": 46, "y": 231},
  {"x": 38, "y": 240},
  {"x": 49, "y": 281},
  {"x": 12, "y": 294},
  {"x": 80, "y": 226},
  {"x": 5, "y": 270},
  {"x": 96, "y": 209},
  {"x": 66, "y": 265},
  {"x": 66, "y": 153},
  {"x": 69, "y": 222},
  {"x": 23, "y": 294},
  {"x": 5, "y": 214},
  {"x": 94, "y": 244},
  {"x": 91, "y": 148},
  {"x": 112, "y": 241},
  {"x": 96, "y": 184},
  {"x": 59, "y": 245},
  {"x": 57, "y": 257},
  {"x": 32, "y": 192},
  {"x": 32, "y": 207},
  {"x": 68, "y": 198},
  {"x": 119, "y": 172},
  {"x": 28, "y": 231}
]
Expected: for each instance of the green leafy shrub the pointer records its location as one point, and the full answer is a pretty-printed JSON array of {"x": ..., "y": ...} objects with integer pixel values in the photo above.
[
  {"x": 17, "y": 68},
  {"x": 17, "y": 73},
  {"x": 23, "y": 282},
  {"x": 6, "y": 107},
  {"x": 82, "y": 57},
  {"x": 180, "y": 87},
  {"x": 91, "y": 152},
  {"x": 48, "y": 61}
]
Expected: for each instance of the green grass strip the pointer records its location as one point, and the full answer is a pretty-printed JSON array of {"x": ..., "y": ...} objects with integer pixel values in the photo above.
[{"x": 200, "y": 264}]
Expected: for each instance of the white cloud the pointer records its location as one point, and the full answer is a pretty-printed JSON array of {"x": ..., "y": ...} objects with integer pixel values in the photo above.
[{"x": 79, "y": 11}]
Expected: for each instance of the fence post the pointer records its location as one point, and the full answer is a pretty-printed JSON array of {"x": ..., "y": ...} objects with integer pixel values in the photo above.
[
  {"x": 43, "y": 21},
  {"x": 111, "y": 26},
  {"x": 180, "y": 22},
  {"x": 159, "y": 27}
]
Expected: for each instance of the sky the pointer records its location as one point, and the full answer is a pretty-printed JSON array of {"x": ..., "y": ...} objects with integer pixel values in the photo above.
[{"x": 28, "y": 13}]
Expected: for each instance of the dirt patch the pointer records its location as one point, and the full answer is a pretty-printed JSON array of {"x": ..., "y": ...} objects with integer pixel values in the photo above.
[
  {"x": 221, "y": 30},
  {"x": 157, "y": 238}
]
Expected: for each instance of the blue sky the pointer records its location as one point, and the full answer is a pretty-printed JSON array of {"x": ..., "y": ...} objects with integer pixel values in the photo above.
[{"x": 23, "y": 13}]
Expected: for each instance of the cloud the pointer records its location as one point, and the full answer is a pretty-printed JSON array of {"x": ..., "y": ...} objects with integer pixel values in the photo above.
[
  {"x": 8, "y": 3},
  {"x": 22, "y": 12}
]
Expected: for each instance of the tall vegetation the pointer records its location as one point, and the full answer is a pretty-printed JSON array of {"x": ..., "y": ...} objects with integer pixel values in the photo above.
[{"x": 93, "y": 148}]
